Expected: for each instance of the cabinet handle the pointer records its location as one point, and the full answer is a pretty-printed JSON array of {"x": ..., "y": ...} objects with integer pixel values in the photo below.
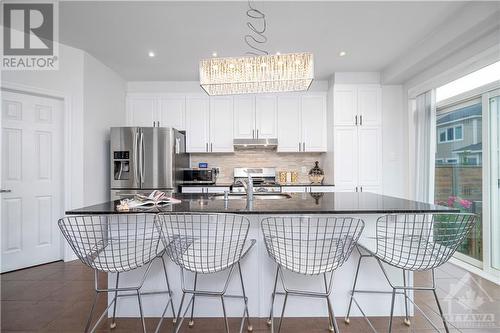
[
  {"x": 361, "y": 188},
  {"x": 299, "y": 147},
  {"x": 158, "y": 122},
  {"x": 303, "y": 146},
  {"x": 253, "y": 134},
  {"x": 257, "y": 134},
  {"x": 211, "y": 147},
  {"x": 356, "y": 120},
  {"x": 361, "y": 119},
  {"x": 206, "y": 147},
  {"x": 356, "y": 189}
]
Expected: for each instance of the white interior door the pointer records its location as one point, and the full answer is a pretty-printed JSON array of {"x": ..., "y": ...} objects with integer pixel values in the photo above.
[{"x": 32, "y": 181}]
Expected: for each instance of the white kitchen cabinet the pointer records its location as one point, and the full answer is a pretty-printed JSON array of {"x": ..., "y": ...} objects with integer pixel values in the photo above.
[
  {"x": 357, "y": 104},
  {"x": 151, "y": 110},
  {"x": 209, "y": 124},
  {"x": 345, "y": 161},
  {"x": 172, "y": 112},
  {"x": 313, "y": 123},
  {"x": 308, "y": 189},
  {"x": 244, "y": 117},
  {"x": 141, "y": 111},
  {"x": 205, "y": 189},
  {"x": 266, "y": 117},
  {"x": 197, "y": 124},
  {"x": 357, "y": 138},
  {"x": 255, "y": 117},
  {"x": 289, "y": 127},
  {"x": 221, "y": 123},
  {"x": 302, "y": 123}
]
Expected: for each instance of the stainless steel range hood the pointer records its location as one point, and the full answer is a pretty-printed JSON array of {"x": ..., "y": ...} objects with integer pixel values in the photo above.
[{"x": 255, "y": 143}]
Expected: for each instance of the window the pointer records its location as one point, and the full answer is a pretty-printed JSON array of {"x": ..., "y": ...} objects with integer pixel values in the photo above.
[
  {"x": 439, "y": 161},
  {"x": 451, "y": 134},
  {"x": 452, "y": 160}
]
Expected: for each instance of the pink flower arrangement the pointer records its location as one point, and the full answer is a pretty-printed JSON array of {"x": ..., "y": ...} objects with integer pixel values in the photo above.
[{"x": 462, "y": 203}]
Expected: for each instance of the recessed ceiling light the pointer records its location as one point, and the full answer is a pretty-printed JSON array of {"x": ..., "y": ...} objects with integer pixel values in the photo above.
[
  {"x": 278, "y": 53},
  {"x": 342, "y": 53},
  {"x": 214, "y": 54},
  {"x": 151, "y": 54}
]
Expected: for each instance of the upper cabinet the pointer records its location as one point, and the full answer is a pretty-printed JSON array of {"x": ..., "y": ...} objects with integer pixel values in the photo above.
[
  {"x": 149, "y": 110},
  {"x": 255, "y": 117},
  {"x": 209, "y": 124},
  {"x": 141, "y": 111},
  {"x": 357, "y": 105},
  {"x": 172, "y": 112},
  {"x": 302, "y": 123}
]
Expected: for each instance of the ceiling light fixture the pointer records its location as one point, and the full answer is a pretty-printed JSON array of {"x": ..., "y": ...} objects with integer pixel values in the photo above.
[
  {"x": 151, "y": 54},
  {"x": 342, "y": 53},
  {"x": 258, "y": 72},
  {"x": 214, "y": 54}
]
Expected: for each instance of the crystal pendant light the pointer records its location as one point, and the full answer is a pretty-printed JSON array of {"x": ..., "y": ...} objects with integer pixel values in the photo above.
[{"x": 259, "y": 73}]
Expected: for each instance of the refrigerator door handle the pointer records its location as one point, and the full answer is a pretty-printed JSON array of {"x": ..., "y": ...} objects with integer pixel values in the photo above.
[
  {"x": 142, "y": 157},
  {"x": 135, "y": 156}
]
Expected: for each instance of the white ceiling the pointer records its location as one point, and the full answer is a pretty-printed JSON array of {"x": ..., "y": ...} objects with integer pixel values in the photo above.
[{"x": 120, "y": 34}]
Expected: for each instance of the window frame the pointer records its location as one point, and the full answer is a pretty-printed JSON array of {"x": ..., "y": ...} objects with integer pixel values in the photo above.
[{"x": 445, "y": 131}]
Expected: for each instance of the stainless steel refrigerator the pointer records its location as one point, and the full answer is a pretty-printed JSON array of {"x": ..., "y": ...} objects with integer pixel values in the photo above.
[{"x": 145, "y": 159}]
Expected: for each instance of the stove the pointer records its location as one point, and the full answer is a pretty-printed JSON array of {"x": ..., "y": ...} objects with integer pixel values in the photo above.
[{"x": 264, "y": 180}]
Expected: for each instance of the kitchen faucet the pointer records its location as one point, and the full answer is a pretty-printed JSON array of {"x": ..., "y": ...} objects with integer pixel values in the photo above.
[{"x": 248, "y": 185}]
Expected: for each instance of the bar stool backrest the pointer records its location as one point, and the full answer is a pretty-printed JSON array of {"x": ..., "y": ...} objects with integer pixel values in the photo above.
[
  {"x": 204, "y": 243},
  {"x": 311, "y": 245},
  {"x": 112, "y": 243},
  {"x": 421, "y": 241}
]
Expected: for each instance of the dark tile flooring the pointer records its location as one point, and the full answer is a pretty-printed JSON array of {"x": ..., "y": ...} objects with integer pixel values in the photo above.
[{"x": 57, "y": 297}]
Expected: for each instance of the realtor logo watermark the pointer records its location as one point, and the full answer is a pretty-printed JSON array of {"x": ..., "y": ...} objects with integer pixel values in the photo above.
[
  {"x": 30, "y": 33},
  {"x": 466, "y": 305}
]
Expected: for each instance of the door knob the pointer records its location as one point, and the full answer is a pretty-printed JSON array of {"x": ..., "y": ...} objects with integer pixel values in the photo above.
[{"x": 5, "y": 191}]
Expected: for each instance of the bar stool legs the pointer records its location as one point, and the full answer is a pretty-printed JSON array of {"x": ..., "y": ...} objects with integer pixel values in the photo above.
[
  {"x": 407, "y": 318},
  {"x": 113, "y": 322},
  {"x": 191, "y": 321}
]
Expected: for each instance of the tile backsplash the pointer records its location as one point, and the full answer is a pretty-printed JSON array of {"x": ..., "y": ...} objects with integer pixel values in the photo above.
[{"x": 258, "y": 158}]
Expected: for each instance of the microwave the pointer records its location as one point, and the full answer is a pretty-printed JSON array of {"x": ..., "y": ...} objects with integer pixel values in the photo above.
[{"x": 200, "y": 176}]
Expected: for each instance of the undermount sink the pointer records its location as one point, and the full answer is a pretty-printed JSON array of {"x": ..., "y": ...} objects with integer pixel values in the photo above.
[{"x": 256, "y": 196}]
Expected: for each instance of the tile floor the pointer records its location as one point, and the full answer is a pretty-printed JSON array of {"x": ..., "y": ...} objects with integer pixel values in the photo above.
[{"x": 57, "y": 297}]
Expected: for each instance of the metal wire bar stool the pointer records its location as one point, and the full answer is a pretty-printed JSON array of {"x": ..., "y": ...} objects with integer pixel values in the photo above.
[
  {"x": 205, "y": 244},
  {"x": 413, "y": 242},
  {"x": 309, "y": 246},
  {"x": 117, "y": 244}
]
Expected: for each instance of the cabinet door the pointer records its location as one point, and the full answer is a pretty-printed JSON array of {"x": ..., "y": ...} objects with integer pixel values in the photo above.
[
  {"x": 344, "y": 105},
  {"x": 141, "y": 111},
  {"x": 369, "y": 105},
  {"x": 221, "y": 125},
  {"x": 266, "y": 117},
  {"x": 244, "y": 117},
  {"x": 345, "y": 158},
  {"x": 197, "y": 124},
  {"x": 321, "y": 189},
  {"x": 313, "y": 123},
  {"x": 370, "y": 156},
  {"x": 193, "y": 189},
  {"x": 217, "y": 189},
  {"x": 294, "y": 189},
  {"x": 172, "y": 112},
  {"x": 289, "y": 129}
]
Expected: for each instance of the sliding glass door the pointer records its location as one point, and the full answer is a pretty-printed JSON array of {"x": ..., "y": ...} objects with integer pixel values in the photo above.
[
  {"x": 459, "y": 166},
  {"x": 494, "y": 113}
]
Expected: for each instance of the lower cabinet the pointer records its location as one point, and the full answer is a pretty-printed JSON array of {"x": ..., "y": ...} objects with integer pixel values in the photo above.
[
  {"x": 308, "y": 189},
  {"x": 205, "y": 189}
]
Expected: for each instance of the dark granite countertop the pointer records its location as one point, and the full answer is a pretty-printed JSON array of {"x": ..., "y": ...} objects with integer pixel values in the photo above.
[{"x": 299, "y": 203}]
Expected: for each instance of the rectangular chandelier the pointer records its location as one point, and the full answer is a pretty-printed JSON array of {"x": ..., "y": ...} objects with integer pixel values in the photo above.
[{"x": 258, "y": 74}]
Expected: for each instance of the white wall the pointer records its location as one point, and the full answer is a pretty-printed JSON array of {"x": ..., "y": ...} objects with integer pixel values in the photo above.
[
  {"x": 394, "y": 142},
  {"x": 104, "y": 107}
]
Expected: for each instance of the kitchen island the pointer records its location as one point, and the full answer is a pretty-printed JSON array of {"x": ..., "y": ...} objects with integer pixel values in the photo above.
[{"x": 259, "y": 270}]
